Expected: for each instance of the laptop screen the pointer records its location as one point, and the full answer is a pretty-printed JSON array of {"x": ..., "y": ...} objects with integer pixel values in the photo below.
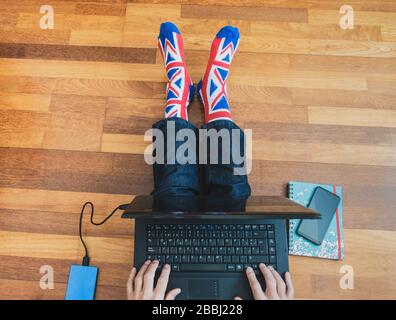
[{"x": 268, "y": 206}]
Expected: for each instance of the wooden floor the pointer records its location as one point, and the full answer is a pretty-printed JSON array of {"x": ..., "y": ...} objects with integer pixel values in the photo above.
[{"x": 75, "y": 102}]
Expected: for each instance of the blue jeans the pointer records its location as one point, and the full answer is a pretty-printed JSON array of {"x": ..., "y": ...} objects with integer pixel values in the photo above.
[{"x": 175, "y": 179}]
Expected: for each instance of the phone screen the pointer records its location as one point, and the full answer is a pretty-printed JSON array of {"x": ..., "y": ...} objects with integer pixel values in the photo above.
[{"x": 326, "y": 203}]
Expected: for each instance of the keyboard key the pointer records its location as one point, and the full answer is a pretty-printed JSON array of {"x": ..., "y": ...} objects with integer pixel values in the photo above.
[
  {"x": 175, "y": 267},
  {"x": 263, "y": 250},
  {"x": 235, "y": 259},
  {"x": 247, "y": 250},
  {"x": 239, "y": 267},
  {"x": 218, "y": 259},
  {"x": 210, "y": 259},
  {"x": 255, "y": 250},
  {"x": 231, "y": 267},
  {"x": 271, "y": 242},
  {"x": 214, "y": 250},
  {"x": 228, "y": 242},
  {"x": 152, "y": 242},
  {"x": 259, "y": 234},
  {"x": 203, "y": 267},
  {"x": 272, "y": 250},
  {"x": 272, "y": 259},
  {"x": 226, "y": 259},
  {"x": 271, "y": 235},
  {"x": 154, "y": 250},
  {"x": 256, "y": 259}
]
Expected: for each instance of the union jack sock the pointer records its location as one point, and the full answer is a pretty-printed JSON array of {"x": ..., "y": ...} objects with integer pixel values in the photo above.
[
  {"x": 180, "y": 88},
  {"x": 212, "y": 88}
]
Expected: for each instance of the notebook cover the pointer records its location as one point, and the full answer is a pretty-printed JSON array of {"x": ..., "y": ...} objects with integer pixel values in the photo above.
[{"x": 332, "y": 246}]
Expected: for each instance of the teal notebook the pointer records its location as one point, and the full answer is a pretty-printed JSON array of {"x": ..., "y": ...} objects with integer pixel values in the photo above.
[{"x": 332, "y": 246}]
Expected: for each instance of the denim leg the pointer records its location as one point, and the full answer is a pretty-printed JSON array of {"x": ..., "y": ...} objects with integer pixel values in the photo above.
[
  {"x": 219, "y": 179},
  {"x": 172, "y": 178}
]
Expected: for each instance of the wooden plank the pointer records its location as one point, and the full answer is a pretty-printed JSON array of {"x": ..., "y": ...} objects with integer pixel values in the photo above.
[
  {"x": 81, "y": 69},
  {"x": 367, "y": 18},
  {"x": 123, "y": 143},
  {"x": 58, "y": 201},
  {"x": 105, "y": 87},
  {"x": 67, "y": 224},
  {"x": 352, "y": 64},
  {"x": 24, "y": 101},
  {"x": 101, "y": 9},
  {"x": 51, "y": 246},
  {"x": 22, "y": 128},
  {"x": 344, "y": 98},
  {"x": 257, "y": 13},
  {"x": 76, "y": 123},
  {"x": 352, "y": 116},
  {"x": 53, "y": 36},
  {"x": 78, "y": 53},
  {"x": 308, "y": 31}
]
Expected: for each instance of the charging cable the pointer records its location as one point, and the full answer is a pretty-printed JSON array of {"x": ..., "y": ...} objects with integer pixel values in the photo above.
[{"x": 85, "y": 261}]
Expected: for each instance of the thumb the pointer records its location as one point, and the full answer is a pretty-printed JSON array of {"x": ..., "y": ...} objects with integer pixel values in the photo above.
[
  {"x": 171, "y": 295},
  {"x": 237, "y": 298}
]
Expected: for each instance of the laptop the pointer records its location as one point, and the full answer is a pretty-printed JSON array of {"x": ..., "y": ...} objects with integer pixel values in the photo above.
[{"x": 209, "y": 241}]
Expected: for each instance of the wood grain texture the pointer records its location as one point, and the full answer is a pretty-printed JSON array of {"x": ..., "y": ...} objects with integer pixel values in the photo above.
[{"x": 76, "y": 101}]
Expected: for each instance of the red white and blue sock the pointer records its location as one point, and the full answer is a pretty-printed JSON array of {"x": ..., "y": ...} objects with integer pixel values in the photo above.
[
  {"x": 180, "y": 88},
  {"x": 212, "y": 88}
]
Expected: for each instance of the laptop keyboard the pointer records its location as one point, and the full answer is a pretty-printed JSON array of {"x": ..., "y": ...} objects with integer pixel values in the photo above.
[{"x": 212, "y": 247}]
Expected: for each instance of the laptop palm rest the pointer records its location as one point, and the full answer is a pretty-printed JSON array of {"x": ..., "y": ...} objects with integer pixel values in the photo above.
[{"x": 208, "y": 289}]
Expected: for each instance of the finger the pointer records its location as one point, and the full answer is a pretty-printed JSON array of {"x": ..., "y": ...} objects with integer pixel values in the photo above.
[
  {"x": 270, "y": 281},
  {"x": 237, "y": 298},
  {"x": 171, "y": 295},
  {"x": 162, "y": 282},
  {"x": 139, "y": 277},
  {"x": 130, "y": 282},
  {"x": 280, "y": 284},
  {"x": 148, "y": 278},
  {"x": 289, "y": 285},
  {"x": 255, "y": 286}
]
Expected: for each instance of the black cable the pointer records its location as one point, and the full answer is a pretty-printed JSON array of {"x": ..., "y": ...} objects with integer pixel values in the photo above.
[{"x": 85, "y": 261}]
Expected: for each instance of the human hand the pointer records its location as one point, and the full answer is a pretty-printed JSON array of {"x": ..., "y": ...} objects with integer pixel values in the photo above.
[
  {"x": 140, "y": 285},
  {"x": 276, "y": 288}
]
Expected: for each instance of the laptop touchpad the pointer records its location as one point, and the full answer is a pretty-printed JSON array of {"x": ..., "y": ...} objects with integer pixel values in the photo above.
[{"x": 203, "y": 288}]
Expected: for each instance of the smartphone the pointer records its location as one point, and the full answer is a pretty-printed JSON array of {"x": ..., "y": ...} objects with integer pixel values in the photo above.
[
  {"x": 325, "y": 203},
  {"x": 82, "y": 282}
]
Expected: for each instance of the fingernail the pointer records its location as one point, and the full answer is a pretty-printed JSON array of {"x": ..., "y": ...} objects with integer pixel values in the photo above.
[
  {"x": 133, "y": 269},
  {"x": 147, "y": 261},
  {"x": 249, "y": 269},
  {"x": 178, "y": 290},
  {"x": 271, "y": 268},
  {"x": 167, "y": 266},
  {"x": 156, "y": 261},
  {"x": 262, "y": 265}
]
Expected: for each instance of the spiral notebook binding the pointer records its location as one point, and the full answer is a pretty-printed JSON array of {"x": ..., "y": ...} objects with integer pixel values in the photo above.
[{"x": 291, "y": 221}]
